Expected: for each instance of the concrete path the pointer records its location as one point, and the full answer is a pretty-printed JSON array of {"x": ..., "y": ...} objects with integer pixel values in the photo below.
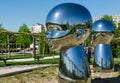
[
  {"x": 31, "y": 59},
  {"x": 11, "y": 70}
]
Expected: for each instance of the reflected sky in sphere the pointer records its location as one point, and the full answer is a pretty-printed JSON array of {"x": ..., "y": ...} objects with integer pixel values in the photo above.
[
  {"x": 69, "y": 13},
  {"x": 102, "y": 25}
]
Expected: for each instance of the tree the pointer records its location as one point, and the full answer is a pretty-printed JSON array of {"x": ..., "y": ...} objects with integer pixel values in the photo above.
[
  {"x": 107, "y": 17},
  {"x": 119, "y": 25},
  {"x": 3, "y": 36},
  {"x": 43, "y": 45},
  {"x": 115, "y": 47},
  {"x": 24, "y": 39}
]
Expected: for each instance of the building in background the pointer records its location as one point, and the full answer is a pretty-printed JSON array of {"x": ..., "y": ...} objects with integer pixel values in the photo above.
[{"x": 37, "y": 28}]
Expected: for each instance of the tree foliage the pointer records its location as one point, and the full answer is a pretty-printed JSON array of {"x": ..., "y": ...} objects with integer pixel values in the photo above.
[
  {"x": 43, "y": 46},
  {"x": 24, "y": 39},
  {"x": 3, "y": 36},
  {"x": 119, "y": 25},
  {"x": 107, "y": 17}
]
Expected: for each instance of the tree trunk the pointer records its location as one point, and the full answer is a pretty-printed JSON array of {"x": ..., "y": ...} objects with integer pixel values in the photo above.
[
  {"x": 8, "y": 37},
  {"x": 34, "y": 51},
  {"x": 44, "y": 47}
]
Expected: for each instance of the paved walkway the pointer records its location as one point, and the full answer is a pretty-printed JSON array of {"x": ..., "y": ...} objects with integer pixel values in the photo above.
[
  {"x": 10, "y": 70},
  {"x": 31, "y": 59}
]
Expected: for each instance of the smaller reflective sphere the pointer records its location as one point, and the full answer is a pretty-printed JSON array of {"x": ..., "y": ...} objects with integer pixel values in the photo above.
[{"x": 102, "y": 26}]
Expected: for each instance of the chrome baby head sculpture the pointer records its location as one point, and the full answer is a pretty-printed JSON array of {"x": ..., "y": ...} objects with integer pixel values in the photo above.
[
  {"x": 68, "y": 25},
  {"x": 102, "y": 35}
]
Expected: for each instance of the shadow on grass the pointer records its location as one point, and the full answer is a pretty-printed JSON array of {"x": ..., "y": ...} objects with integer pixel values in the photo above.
[{"x": 109, "y": 80}]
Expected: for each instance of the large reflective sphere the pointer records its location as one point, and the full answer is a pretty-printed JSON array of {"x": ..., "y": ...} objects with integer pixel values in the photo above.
[
  {"x": 102, "y": 26},
  {"x": 103, "y": 57},
  {"x": 62, "y": 18},
  {"x": 74, "y": 64}
]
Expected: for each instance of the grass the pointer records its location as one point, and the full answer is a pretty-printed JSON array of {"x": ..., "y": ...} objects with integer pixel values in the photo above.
[
  {"x": 116, "y": 60},
  {"x": 119, "y": 73},
  {"x": 47, "y": 61},
  {"x": 21, "y": 56},
  {"x": 40, "y": 75}
]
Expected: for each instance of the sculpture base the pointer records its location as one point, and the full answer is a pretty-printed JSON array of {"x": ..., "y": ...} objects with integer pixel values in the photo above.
[
  {"x": 64, "y": 79},
  {"x": 98, "y": 69}
]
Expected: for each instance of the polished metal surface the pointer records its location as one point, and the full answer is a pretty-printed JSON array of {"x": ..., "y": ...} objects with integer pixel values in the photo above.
[
  {"x": 102, "y": 26},
  {"x": 68, "y": 41},
  {"x": 65, "y": 19},
  {"x": 69, "y": 13},
  {"x": 103, "y": 57},
  {"x": 74, "y": 64},
  {"x": 68, "y": 25}
]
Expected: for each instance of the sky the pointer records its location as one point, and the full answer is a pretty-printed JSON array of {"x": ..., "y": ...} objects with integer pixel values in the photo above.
[{"x": 14, "y": 13}]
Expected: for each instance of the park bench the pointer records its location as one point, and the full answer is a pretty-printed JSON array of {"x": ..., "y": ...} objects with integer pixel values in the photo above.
[{"x": 37, "y": 58}]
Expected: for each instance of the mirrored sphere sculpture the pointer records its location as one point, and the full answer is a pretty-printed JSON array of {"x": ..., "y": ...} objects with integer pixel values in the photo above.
[
  {"x": 68, "y": 26},
  {"x": 101, "y": 37}
]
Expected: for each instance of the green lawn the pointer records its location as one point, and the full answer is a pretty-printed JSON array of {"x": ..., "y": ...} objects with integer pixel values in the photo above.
[
  {"x": 116, "y": 60},
  {"x": 47, "y": 61},
  {"x": 21, "y": 56}
]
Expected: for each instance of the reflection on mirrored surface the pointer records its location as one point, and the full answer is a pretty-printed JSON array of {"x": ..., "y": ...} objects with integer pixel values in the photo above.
[
  {"x": 103, "y": 56},
  {"x": 67, "y": 22},
  {"x": 101, "y": 38},
  {"x": 65, "y": 18},
  {"x": 74, "y": 64},
  {"x": 68, "y": 26},
  {"x": 102, "y": 35},
  {"x": 103, "y": 26},
  {"x": 69, "y": 13}
]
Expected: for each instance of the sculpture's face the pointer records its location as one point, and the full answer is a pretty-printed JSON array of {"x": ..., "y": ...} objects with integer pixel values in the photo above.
[
  {"x": 67, "y": 26},
  {"x": 102, "y": 32}
]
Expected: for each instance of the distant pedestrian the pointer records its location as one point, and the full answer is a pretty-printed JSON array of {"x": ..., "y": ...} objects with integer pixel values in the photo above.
[{"x": 88, "y": 53}]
